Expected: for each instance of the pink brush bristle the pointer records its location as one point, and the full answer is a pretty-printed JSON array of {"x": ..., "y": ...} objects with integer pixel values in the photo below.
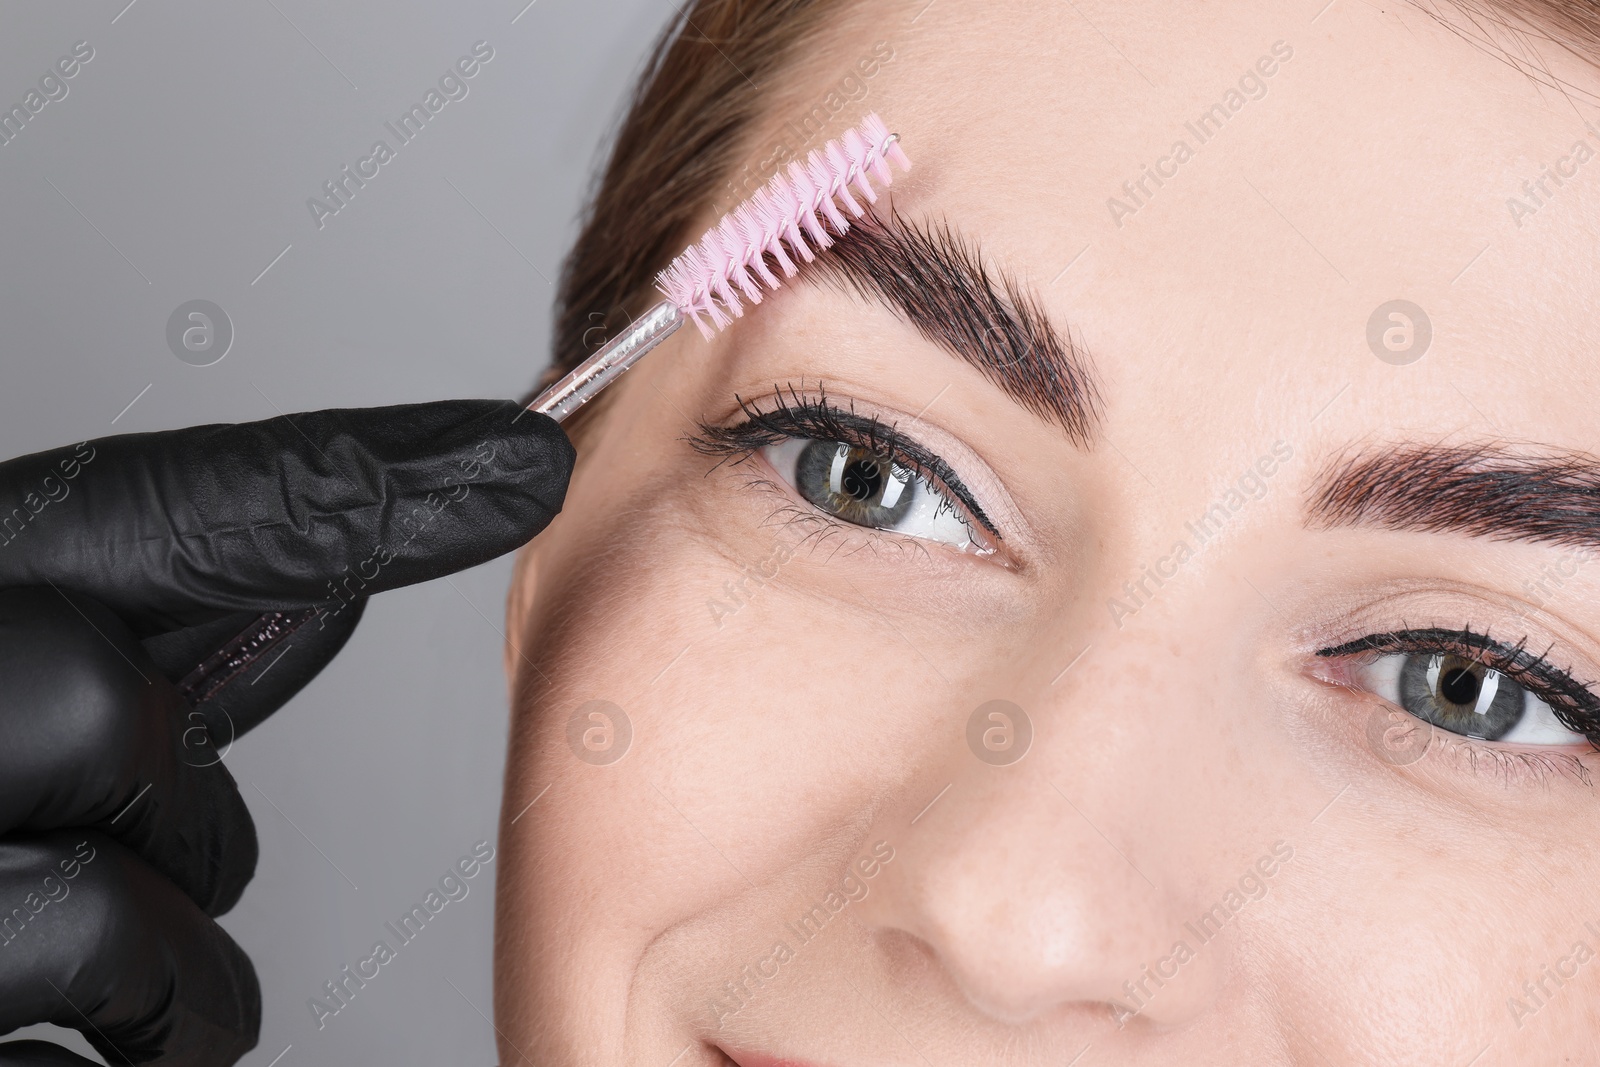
[{"x": 790, "y": 216}]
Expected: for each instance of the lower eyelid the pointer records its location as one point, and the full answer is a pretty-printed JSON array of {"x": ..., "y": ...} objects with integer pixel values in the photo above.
[
  {"x": 1513, "y": 762},
  {"x": 1515, "y": 765}
]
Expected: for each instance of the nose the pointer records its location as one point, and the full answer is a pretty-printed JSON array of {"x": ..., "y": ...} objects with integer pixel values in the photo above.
[
  {"x": 1031, "y": 905},
  {"x": 1079, "y": 877}
]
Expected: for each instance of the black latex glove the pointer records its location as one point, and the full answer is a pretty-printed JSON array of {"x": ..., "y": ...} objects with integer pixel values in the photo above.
[{"x": 161, "y": 594}]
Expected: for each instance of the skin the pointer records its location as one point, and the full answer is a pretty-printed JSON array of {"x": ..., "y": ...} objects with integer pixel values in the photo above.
[{"x": 1171, "y": 753}]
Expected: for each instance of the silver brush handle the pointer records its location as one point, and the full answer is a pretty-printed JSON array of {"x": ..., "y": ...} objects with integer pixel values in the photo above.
[{"x": 605, "y": 366}]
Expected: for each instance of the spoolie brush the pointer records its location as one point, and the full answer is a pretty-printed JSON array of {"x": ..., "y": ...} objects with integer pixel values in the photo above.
[{"x": 794, "y": 215}]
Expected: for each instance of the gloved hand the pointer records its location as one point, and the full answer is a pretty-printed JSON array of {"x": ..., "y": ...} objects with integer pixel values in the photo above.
[{"x": 161, "y": 594}]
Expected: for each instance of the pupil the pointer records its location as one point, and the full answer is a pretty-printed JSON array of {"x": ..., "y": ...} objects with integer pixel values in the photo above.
[
  {"x": 862, "y": 479},
  {"x": 1459, "y": 686}
]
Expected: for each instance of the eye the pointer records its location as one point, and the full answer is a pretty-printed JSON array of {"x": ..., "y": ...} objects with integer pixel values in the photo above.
[
  {"x": 1465, "y": 697},
  {"x": 857, "y": 468},
  {"x": 1474, "y": 686},
  {"x": 871, "y": 489}
]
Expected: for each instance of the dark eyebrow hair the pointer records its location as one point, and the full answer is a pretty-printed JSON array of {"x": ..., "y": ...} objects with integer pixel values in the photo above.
[
  {"x": 935, "y": 280},
  {"x": 1493, "y": 490}
]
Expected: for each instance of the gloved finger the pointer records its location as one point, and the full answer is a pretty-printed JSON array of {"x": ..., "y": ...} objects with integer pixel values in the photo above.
[
  {"x": 180, "y": 527},
  {"x": 40, "y": 1054},
  {"x": 240, "y": 669},
  {"x": 97, "y": 941},
  {"x": 91, "y": 734}
]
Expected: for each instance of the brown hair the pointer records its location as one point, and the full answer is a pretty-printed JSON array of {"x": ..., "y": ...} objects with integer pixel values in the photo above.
[
  {"x": 695, "y": 102},
  {"x": 699, "y": 96},
  {"x": 1512, "y": 30}
]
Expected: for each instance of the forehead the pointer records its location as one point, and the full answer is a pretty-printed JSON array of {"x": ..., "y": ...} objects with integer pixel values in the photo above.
[{"x": 1206, "y": 226}]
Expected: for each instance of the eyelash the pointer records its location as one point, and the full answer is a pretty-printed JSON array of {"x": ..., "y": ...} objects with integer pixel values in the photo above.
[
  {"x": 1574, "y": 704},
  {"x": 792, "y": 417}
]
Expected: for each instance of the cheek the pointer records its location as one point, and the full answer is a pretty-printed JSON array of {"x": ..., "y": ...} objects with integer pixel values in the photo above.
[
  {"x": 755, "y": 735},
  {"x": 761, "y": 711},
  {"x": 1441, "y": 943}
]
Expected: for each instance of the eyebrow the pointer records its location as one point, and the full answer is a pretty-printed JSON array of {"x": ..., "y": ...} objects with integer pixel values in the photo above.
[
  {"x": 1490, "y": 490},
  {"x": 937, "y": 281}
]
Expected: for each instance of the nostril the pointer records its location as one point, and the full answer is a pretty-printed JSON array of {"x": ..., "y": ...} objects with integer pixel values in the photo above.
[{"x": 1024, "y": 933}]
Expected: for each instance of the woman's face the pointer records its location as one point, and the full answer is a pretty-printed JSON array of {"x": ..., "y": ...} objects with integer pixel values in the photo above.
[{"x": 1052, "y": 772}]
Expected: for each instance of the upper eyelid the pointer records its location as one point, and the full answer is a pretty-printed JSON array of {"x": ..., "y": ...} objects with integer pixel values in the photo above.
[
  {"x": 1411, "y": 637},
  {"x": 1508, "y": 656}
]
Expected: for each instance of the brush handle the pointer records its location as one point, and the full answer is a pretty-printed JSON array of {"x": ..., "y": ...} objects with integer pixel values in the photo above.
[{"x": 605, "y": 366}]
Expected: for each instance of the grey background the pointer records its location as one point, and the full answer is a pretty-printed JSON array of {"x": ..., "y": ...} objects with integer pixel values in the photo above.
[{"x": 177, "y": 168}]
